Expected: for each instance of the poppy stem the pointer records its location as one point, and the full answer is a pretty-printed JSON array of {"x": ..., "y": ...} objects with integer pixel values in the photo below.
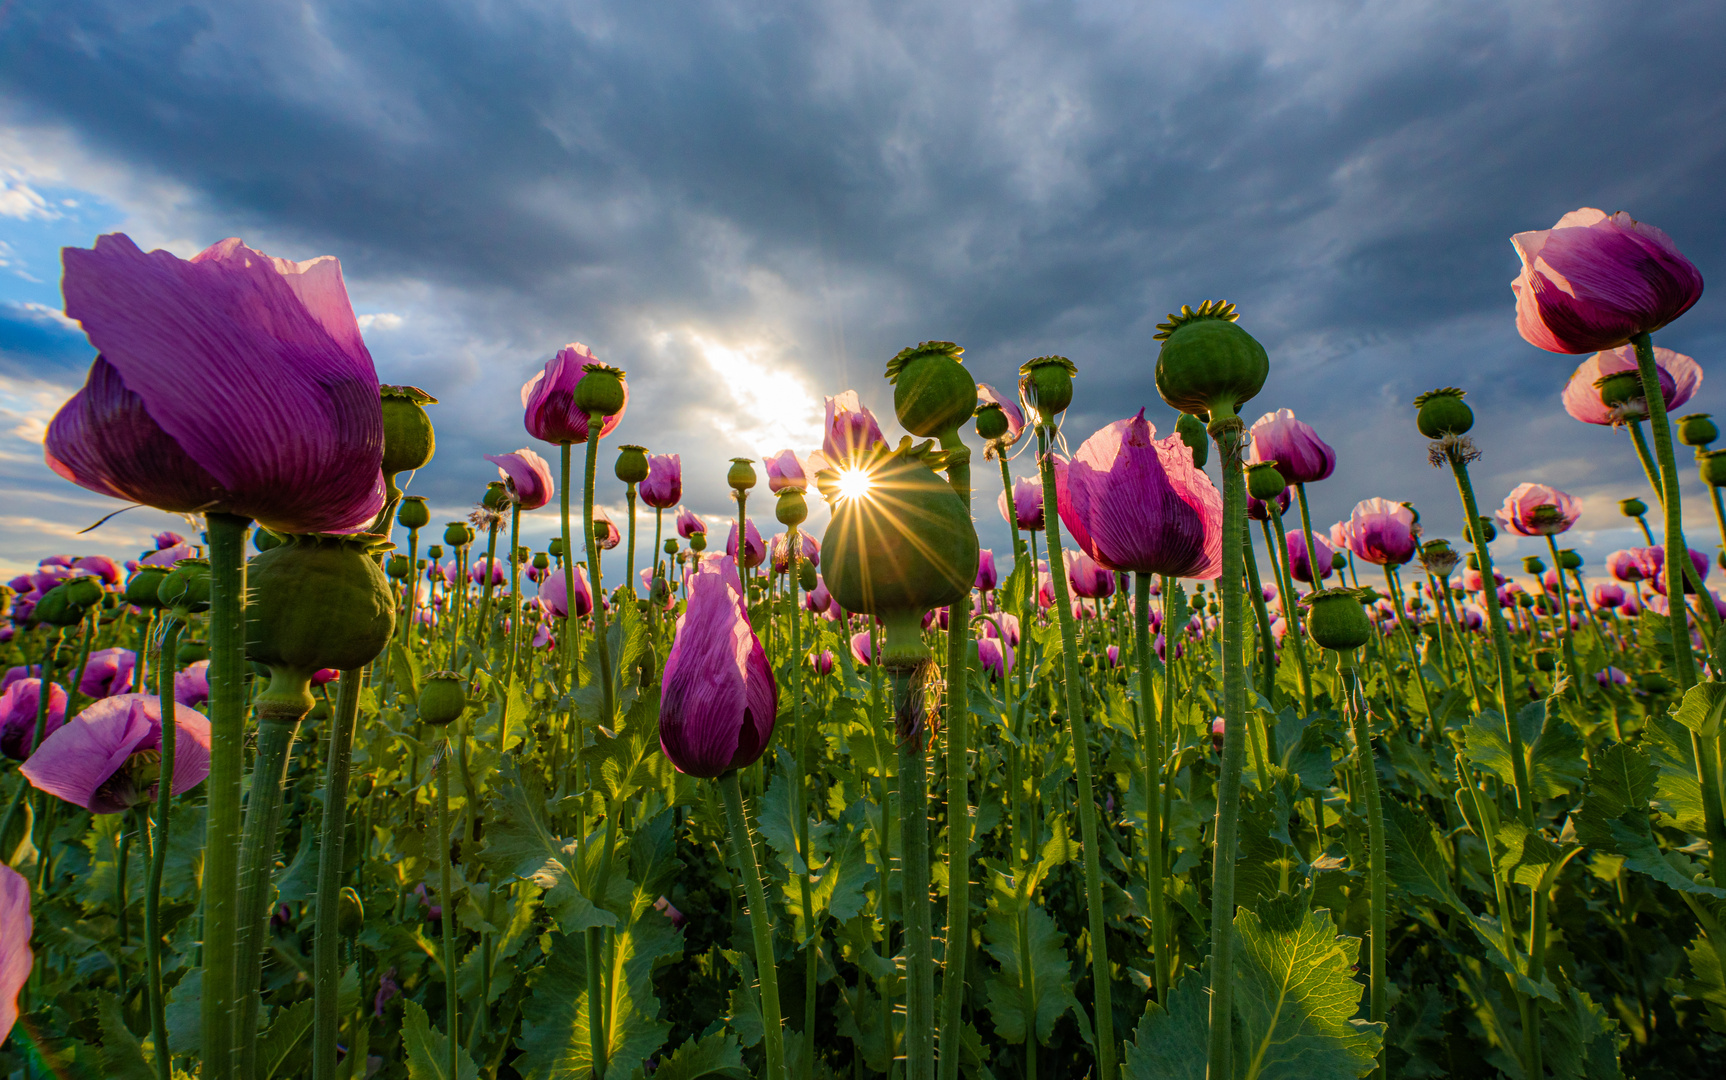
[
  {"x": 914, "y": 890},
  {"x": 799, "y": 792},
  {"x": 1367, "y": 770},
  {"x": 958, "y": 792},
  {"x": 1288, "y": 600},
  {"x": 1151, "y": 743},
  {"x": 227, "y": 711},
  {"x": 772, "y": 1020},
  {"x": 332, "y": 832},
  {"x": 1072, "y": 700},
  {"x": 594, "y": 424},
  {"x": 446, "y": 899},
  {"x": 158, "y": 1005}
]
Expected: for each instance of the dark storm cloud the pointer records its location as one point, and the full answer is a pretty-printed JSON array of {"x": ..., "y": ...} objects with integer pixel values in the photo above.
[{"x": 1025, "y": 179}]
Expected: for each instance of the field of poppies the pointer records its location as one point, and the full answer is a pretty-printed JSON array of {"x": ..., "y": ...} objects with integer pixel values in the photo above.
[{"x": 322, "y": 788}]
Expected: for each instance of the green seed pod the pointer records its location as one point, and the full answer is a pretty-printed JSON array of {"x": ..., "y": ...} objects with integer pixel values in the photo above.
[
  {"x": 991, "y": 422},
  {"x": 350, "y": 913},
  {"x": 435, "y": 551},
  {"x": 600, "y": 391},
  {"x": 1487, "y": 529},
  {"x": 190, "y": 651},
  {"x": 1618, "y": 388},
  {"x": 1209, "y": 366},
  {"x": 741, "y": 476},
  {"x": 901, "y": 548},
  {"x": 806, "y": 576},
  {"x": 1442, "y": 412},
  {"x": 555, "y": 547},
  {"x": 318, "y": 601},
  {"x": 408, "y": 437},
  {"x": 144, "y": 587},
  {"x": 631, "y": 465},
  {"x": 413, "y": 513},
  {"x": 496, "y": 496},
  {"x": 1697, "y": 429},
  {"x": 932, "y": 392},
  {"x": 1337, "y": 620},
  {"x": 1046, "y": 387},
  {"x": 458, "y": 534},
  {"x": 1192, "y": 432},
  {"x": 541, "y": 561},
  {"x": 1569, "y": 559},
  {"x": 671, "y": 545},
  {"x": 792, "y": 508},
  {"x": 698, "y": 542},
  {"x": 1438, "y": 557},
  {"x": 1632, "y": 507},
  {"x": 62, "y": 606},
  {"x": 263, "y": 539},
  {"x": 443, "y": 698},
  {"x": 1533, "y": 565},
  {"x": 396, "y": 567},
  {"x": 1264, "y": 483},
  {"x": 1713, "y": 467}
]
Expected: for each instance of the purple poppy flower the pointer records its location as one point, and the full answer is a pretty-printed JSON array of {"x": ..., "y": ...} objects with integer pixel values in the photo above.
[
  {"x": 663, "y": 906},
  {"x": 1538, "y": 510},
  {"x": 33, "y": 671},
  {"x": 1299, "y": 568},
  {"x": 754, "y": 550},
  {"x": 1657, "y": 556},
  {"x": 860, "y": 648},
  {"x": 1114, "y": 654},
  {"x": 100, "y": 566},
  {"x": 688, "y": 524},
  {"x": 985, "y": 570},
  {"x": 548, "y": 399},
  {"x": 1611, "y": 677},
  {"x": 1607, "y": 595},
  {"x": 1090, "y": 581},
  {"x": 1680, "y": 378},
  {"x": 1180, "y": 649},
  {"x": 101, "y": 759},
  {"x": 822, "y": 663},
  {"x": 818, "y": 599},
  {"x": 19, "y": 705},
  {"x": 611, "y": 537},
  {"x": 108, "y": 672},
  {"x": 1134, "y": 502},
  {"x": 664, "y": 484},
  {"x": 1631, "y": 565},
  {"x": 719, "y": 700},
  {"x": 387, "y": 988},
  {"x": 1301, "y": 456},
  {"x": 852, "y": 431},
  {"x": 16, "y": 959},
  {"x": 169, "y": 556},
  {"x": 476, "y": 572},
  {"x": 192, "y": 684},
  {"x": 784, "y": 472},
  {"x": 810, "y": 551},
  {"x": 995, "y": 624},
  {"x": 1027, "y": 511},
  {"x": 528, "y": 477},
  {"x": 168, "y": 540},
  {"x": 988, "y": 395},
  {"x": 554, "y": 591},
  {"x": 1592, "y": 282},
  {"x": 996, "y": 656},
  {"x": 1382, "y": 532},
  {"x": 233, "y": 382}
]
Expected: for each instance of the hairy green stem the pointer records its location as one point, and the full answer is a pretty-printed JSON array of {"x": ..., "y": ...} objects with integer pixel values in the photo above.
[
  {"x": 157, "y": 998},
  {"x": 958, "y": 716},
  {"x": 278, "y": 723},
  {"x": 1151, "y": 743},
  {"x": 1367, "y": 771},
  {"x": 914, "y": 892},
  {"x": 1288, "y": 600},
  {"x": 332, "y": 836},
  {"x": 772, "y": 1020}
]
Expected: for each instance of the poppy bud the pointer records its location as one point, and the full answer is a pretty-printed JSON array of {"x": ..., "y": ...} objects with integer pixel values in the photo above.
[
  {"x": 541, "y": 561},
  {"x": 1336, "y": 620},
  {"x": 1338, "y": 561},
  {"x": 1264, "y": 483},
  {"x": 806, "y": 575},
  {"x": 932, "y": 392},
  {"x": 144, "y": 587},
  {"x": 443, "y": 698},
  {"x": 1208, "y": 366},
  {"x": 600, "y": 391},
  {"x": 741, "y": 475},
  {"x": 413, "y": 513},
  {"x": 263, "y": 539},
  {"x": 1533, "y": 565},
  {"x": 1046, "y": 387},
  {"x": 1192, "y": 432},
  {"x": 191, "y": 651},
  {"x": 435, "y": 551},
  {"x": 408, "y": 437},
  {"x": 991, "y": 422},
  {"x": 1713, "y": 466},
  {"x": 792, "y": 508},
  {"x": 631, "y": 465},
  {"x": 458, "y": 534},
  {"x": 1568, "y": 559},
  {"x": 1443, "y": 412},
  {"x": 1632, "y": 507},
  {"x": 350, "y": 913},
  {"x": 1487, "y": 529},
  {"x": 1697, "y": 429},
  {"x": 496, "y": 496}
]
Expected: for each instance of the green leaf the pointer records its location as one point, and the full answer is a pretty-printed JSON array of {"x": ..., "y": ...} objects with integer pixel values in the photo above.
[
  {"x": 1016, "y": 590},
  {"x": 1701, "y": 709},
  {"x": 1033, "y": 987},
  {"x": 1615, "y": 817},
  {"x": 1708, "y": 981},
  {"x": 1677, "y": 794},
  {"x": 1555, "y": 763},
  {"x": 1414, "y": 860},
  {"x": 286, "y": 1030},
  {"x": 1172, "y": 1043},
  {"x": 1501, "y": 953},
  {"x": 1296, "y": 997},
  {"x": 745, "y": 998},
  {"x": 1580, "y": 1039},
  {"x": 120, "y": 1049},
  {"x": 428, "y": 1049},
  {"x": 406, "y": 669},
  {"x": 629, "y": 760},
  {"x": 711, "y": 1055},
  {"x": 518, "y": 845}
]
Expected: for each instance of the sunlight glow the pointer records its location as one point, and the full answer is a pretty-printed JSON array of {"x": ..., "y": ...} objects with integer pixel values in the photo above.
[
  {"x": 772, "y": 406},
  {"x": 854, "y": 484}
]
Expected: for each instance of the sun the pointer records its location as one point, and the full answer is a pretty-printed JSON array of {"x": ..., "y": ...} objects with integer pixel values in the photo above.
[{"x": 854, "y": 483}]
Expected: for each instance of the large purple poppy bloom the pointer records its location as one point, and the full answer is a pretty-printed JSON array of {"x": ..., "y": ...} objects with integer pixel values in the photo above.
[
  {"x": 233, "y": 382},
  {"x": 16, "y": 959},
  {"x": 98, "y": 760},
  {"x": 1380, "y": 531},
  {"x": 718, "y": 699},
  {"x": 548, "y": 399},
  {"x": 19, "y": 706},
  {"x": 1027, "y": 509}
]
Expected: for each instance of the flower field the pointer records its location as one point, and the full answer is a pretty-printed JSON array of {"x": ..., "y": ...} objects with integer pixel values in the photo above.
[{"x": 1185, "y": 784}]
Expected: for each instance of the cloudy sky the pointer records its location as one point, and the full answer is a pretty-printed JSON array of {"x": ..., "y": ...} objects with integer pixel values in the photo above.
[{"x": 751, "y": 205}]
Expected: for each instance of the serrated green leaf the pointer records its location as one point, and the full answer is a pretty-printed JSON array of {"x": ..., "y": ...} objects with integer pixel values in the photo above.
[
  {"x": 428, "y": 1049},
  {"x": 712, "y": 1055},
  {"x": 518, "y": 845},
  {"x": 1555, "y": 762},
  {"x": 1172, "y": 1043},
  {"x": 1033, "y": 987},
  {"x": 120, "y": 1049},
  {"x": 1580, "y": 1041},
  {"x": 1615, "y": 817},
  {"x": 405, "y": 666},
  {"x": 1701, "y": 709},
  {"x": 745, "y": 998},
  {"x": 1525, "y": 856},
  {"x": 1677, "y": 793},
  {"x": 629, "y": 759},
  {"x": 1296, "y": 997},
  {"x": 1501, "y": 953},
  {"x": 1412, "y": 856},
  {"x": 287, "y": 1029},
  {"x": 1707, "y": 983}
]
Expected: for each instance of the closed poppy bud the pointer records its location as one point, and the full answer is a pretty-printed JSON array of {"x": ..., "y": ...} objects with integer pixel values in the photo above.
[
  {"x": 1046, "y": 386},
  {"x": 350, "y": 913},
  {"x": 1713, "y": 465},
  {"x": 1697, "y": 429},
  {"x": 741, "y": 475},
  {"x": 1337, "y": 620},
  {"x": 459, "y": 534},
  {"x": 600, "y": 391},
  {"x": 806, "y": 575},
  {"x": 1208, "y": 366},
  {"x": 264, "y": 539},
  {"x": 991, "y": 421},
  {"x": 718, "y": 699},
  {"x": 1192, "y": 432},
  {"x": 631, "y": 465},
  {"x": 443, "y": 698},
  {"x": 1443, "y": 412},
  {"x": 413, "y": 513},
  {"x": 792, "y": 508},
  {"x": 932, "y": 392},
  {"x": 1264, "y": 483},
  {"x": 59, "y": 607},
  {"x": 408, "y": 437},
  {"x": 144, "y": 588},
  {"x": 1632, "y": 507}
]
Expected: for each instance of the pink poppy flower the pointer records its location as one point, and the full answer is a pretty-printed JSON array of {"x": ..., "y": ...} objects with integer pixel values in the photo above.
[
  {"x": 611, "y": 537},
  {"x": 1592, "y": 282},
  {"x": 852, "y": 431},
  {"x": 528, "y": 477},
  {"x": 688, "y": 524},
  {"x": 1538, "y": 510},
  {"x": 1088, "y": 580},
  {"x": 548, "y": 399},
  {"x": 988, "y": 395},
  {"x": 1299, "y": 567},
  {"x": 168, "y": 540},
  {"x": 1607, "y": 595},
  {"x": 1301, "y": 456},
  {"x": 818, "y": 599},
  {"x": 664, "y": 483},
  {"x": 718, "y": 698},
  {"x": 809, "y": 551},
  {"x": 822, "y": 663},
  {"x": 168, "y": 556},
  {"x": 98, "y": 759},
  {"x": 476, "y": 571},
  {"x": 16, "y": 959},
  {"x": 1027, "y": 511},
  {"x": 108, "y": 672},
  {"x": 996, "y": 656},
  {"x": 995, "y": 624},
  {"x": 755, "y": 551},
  {"x": 1260, "y": 511},
  {"x": 986, "y": 579},
  {"x": 860, "y": 648},
  {"x": 1382, "y": 532},
  {"x": 19, "y": 705},
  {"x": 1680, "y": 378},
  {"x": 192, "y": 684},
  {"x": 100, "y": 566},
  {"x": 554, "y": 592},
  {"x": 785, "y": 472}
]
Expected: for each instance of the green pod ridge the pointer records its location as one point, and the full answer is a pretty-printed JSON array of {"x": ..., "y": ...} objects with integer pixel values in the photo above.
[
  {"x": 1208, "y": 366},
  {"x": 932, "y": 392},
  {"x": 1337, "y": 620},
  {"x": 903, "y": 547},
  {"x": 318, "y": 601}
]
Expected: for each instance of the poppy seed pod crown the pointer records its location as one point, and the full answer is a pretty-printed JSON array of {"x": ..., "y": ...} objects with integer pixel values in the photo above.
[
  {"x": 1208, "y": 366},
  {"x": 1442, "y": 412},
  {"x": 600, "y": 391},
  {"x": 1046, "y": 387},
  {"x": 413, "y": 513},
  {"x": 1697, "y": 429},
  {"x": 932, "y": 392},
  {"x": 409, "y": 440},
  {"x": 1337, "y": 620}
]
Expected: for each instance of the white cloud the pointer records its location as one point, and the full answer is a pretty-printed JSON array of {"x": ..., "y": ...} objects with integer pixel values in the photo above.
[
  {"x": 383, "y": 320},
  {"x": 19, "y": 200}
]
